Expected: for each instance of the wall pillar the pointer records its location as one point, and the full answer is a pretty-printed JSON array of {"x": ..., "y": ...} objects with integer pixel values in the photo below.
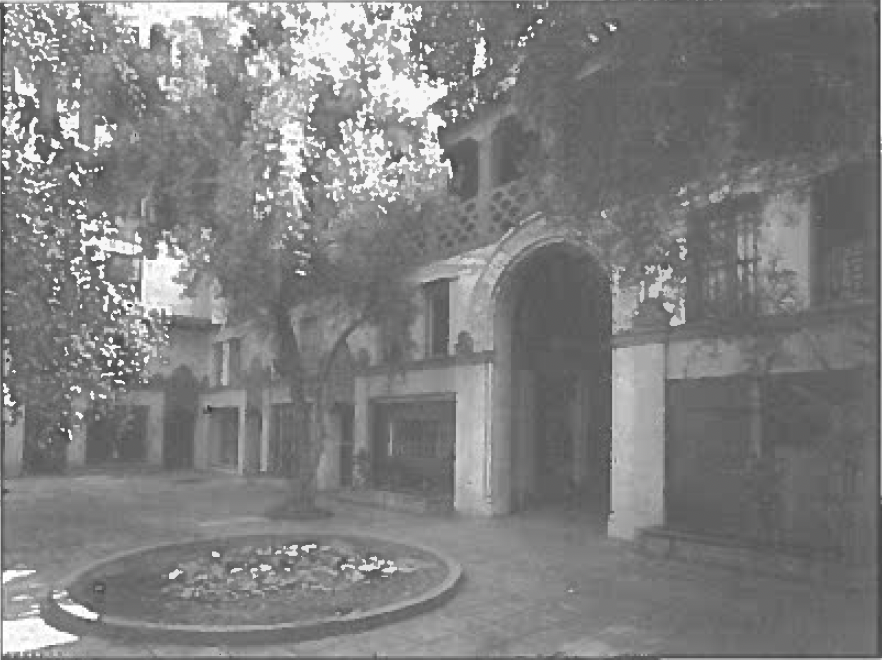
[
  {"x": 242, "y": 441},
  {"x": 638, "y": 439},
  {"x": 474, "y": 459}
]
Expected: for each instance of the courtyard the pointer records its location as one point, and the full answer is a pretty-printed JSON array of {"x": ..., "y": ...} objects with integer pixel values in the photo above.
[{"x": 537, "y": 583}]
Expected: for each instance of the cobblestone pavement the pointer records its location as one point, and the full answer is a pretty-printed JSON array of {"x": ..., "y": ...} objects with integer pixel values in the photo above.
[{"x": 535, "y": 584}]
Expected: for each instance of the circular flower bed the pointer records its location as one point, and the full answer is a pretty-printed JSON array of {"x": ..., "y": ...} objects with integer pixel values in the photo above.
[{"x": 261, "y": 580}]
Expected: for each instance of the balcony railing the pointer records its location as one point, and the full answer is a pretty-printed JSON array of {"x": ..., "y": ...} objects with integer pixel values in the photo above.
[{"x": 474, "y": 223}]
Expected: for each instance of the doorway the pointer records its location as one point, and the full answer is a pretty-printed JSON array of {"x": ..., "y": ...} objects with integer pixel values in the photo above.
[{"x": 552, "y": 416}]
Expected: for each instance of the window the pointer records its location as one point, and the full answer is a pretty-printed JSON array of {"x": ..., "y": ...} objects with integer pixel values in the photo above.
[
  {"x": 414, "y": 445},
  {"x": 437, "y": 295},
  {"x": 723, "y": 245},
  {"x": 844, "y": 219},
  {"x": 217, "y": 361},
  {"x": 310, "y": 342},
  {"x": 234, "y": 367},
  {"x": 464, "y": 165},
  {"x": 415, "y": 438},
  {"x": 227, "y": 361},
  {"x": 511, "y": 150}
]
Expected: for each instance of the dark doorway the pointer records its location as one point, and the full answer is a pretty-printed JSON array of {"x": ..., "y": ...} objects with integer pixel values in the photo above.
[
  {"x": 347, "y": 414},
  {"x": 181, "y": 399},
  {"x": 554, "y": 449},
  {"x": 553, "y": 339}
]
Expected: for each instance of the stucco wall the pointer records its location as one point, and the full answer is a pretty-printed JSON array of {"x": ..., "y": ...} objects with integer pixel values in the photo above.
[
  {"x": 837, "y": 341},
  {"x": 638, "y": 439}
]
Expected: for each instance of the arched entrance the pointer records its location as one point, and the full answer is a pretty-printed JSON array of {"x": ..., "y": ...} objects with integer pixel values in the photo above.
[{"x": 552, "y": 389}]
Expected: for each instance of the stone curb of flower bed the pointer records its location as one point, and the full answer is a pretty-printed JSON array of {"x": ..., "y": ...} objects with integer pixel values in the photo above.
[{"x": 142, "y": 631}]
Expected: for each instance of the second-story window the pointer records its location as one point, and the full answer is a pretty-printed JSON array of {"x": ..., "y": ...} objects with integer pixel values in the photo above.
[
  {"x": 722, "y": 241},
  {"x": 510, "y": 150},
  {"x": 845, "y": 219},
  {"x": 217, "y": 362},
  {"x": 465, "y": 168},
  {"x": 234, "y": 360},
  {"x": 226, "y": 361},
  {"x": 437, "y": 298}
]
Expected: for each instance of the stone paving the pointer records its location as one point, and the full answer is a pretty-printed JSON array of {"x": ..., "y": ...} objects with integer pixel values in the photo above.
[{"x": 535, "y": 584}]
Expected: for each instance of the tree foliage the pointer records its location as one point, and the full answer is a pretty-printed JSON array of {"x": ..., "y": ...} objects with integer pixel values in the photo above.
[
  {"x": 70, "y": 324},
  {"x": 288, "y": 162}
]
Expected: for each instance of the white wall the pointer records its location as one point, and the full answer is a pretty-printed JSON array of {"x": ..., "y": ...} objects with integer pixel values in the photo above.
[{"x": 638, "y": 439}]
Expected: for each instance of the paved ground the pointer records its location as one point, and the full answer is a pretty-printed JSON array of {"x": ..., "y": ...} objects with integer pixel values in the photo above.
[{"x": 539, "y": 584}]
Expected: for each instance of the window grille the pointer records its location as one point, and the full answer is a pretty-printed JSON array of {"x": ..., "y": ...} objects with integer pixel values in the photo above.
[
  {"x": 414, "y": 438},
  {"x": 723, "y": 241},
  {"x": 845, "y": 218}
]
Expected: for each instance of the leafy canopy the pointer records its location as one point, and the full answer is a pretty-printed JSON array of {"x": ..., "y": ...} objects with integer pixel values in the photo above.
[{"x": 71, "y": 326}]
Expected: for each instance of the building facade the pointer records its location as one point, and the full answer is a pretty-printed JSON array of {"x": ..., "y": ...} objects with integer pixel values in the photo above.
[{"x": 532, "y": 380}]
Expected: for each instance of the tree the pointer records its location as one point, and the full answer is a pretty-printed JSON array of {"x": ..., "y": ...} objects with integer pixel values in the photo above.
[
  {"x": 288, "y": 168},
  {"x": 70, "y": 325}
]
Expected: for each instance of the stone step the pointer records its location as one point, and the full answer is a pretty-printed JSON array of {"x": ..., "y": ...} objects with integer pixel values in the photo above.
[{"x": 740, "y": 555}]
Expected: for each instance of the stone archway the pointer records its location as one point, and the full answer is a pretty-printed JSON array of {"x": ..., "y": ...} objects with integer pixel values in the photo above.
[{"x": 543, "y": 306}]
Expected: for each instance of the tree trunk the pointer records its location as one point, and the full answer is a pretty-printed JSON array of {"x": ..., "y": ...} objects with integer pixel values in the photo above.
[
  {"x": 307, "y": 437},
  {"x": 295, "y": 441}
]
